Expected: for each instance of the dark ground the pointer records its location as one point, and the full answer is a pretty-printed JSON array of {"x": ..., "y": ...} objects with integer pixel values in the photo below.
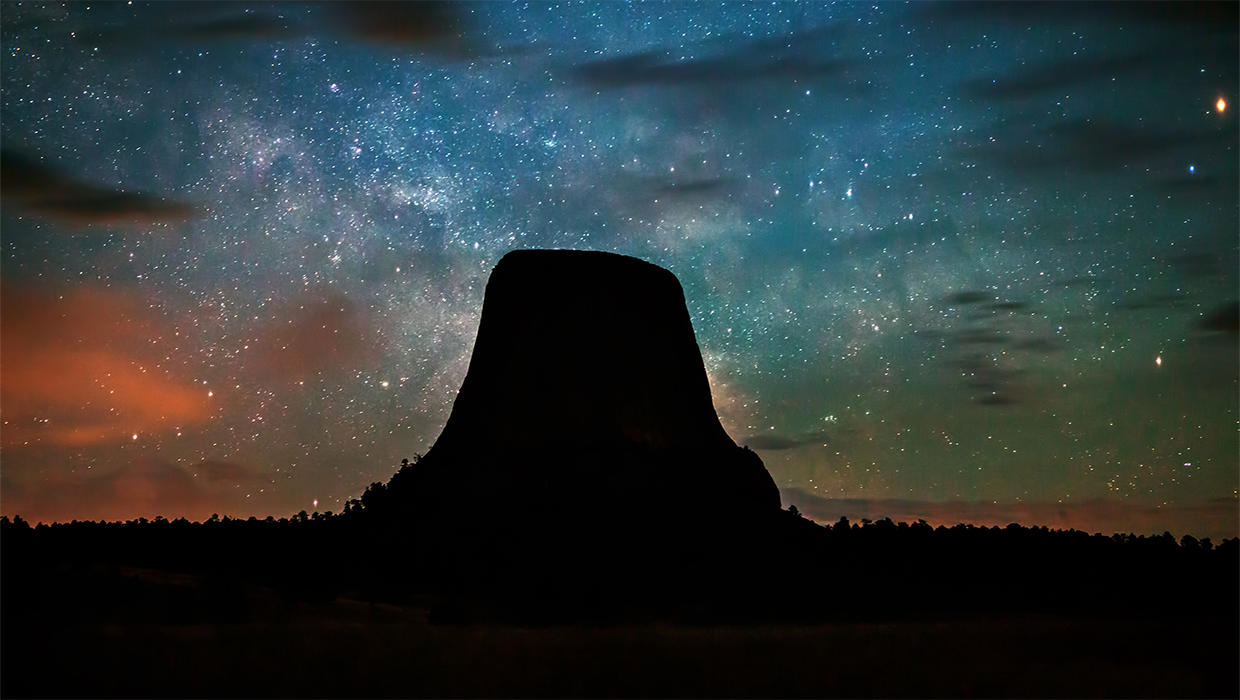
[
  {"x": 364, "y": 605},
  {"x": 158, "y": 634}
]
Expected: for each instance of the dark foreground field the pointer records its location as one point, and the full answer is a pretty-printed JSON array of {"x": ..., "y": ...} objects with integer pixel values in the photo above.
[
  {"x": 173, "y": 638},
  {"x": 360, "y": 605}
]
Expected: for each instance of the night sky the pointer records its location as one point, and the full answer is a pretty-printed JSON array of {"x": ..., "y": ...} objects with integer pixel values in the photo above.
[{"x": 955, "y": 262}]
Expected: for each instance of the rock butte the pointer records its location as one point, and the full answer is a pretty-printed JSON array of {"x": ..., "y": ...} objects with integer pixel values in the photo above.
[{"x": 586, "y": 390}]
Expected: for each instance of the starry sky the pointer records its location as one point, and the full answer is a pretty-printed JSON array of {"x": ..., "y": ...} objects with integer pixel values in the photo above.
[{"x": 960, "y": 262}]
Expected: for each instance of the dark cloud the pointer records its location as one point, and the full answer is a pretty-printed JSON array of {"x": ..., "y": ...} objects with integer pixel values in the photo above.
[
  {"x": 988, "y": 373},
  {"x": 1224, "y": 319},
  {"x": 1197, "y": 265},
  {"x": 84, "y": 367},
  {"x": 1203, "y": 16},
  {"x": 795, "y": 56},
  {"x": 1092, "y": 145},
  {"x": 967, "y": 297},
  {"x": 1216, "y": 518},
  {"x": 230, "y": 472},
  {"x": 1199, "y": 185},
  {"x": 692, "y": 188},
  {"x": 35, "y": 187},
  {"x": 649, "y": 197},
  {"x": 437, "y": 28},
  {"x": 239, "y": 26},
  {"x": 989, "y": 379},
  {"x": 199, "y": 23},
  {"x": 1057, "y": 76},
  {"x": 423, "y": 24},
  {"x": 1099, "y": 144},
  {"x": 626, "y": 187},
  {"x": 659, "y": 68}
]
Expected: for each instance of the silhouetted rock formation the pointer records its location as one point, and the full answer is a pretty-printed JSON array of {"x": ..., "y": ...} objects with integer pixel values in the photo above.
[
  {"x": 585, "y": 422},
  {"x": 590, "y": 357}
]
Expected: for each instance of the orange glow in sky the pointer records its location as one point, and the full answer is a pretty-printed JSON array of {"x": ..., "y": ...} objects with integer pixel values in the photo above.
[{"x": 1221, "y": 104}]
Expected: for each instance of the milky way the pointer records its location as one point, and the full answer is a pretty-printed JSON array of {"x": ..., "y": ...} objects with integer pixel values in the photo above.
[{"x": 945, "y": 261}]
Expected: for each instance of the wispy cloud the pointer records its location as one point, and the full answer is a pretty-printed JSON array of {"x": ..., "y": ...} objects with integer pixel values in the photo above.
[
  {"x": 85, "y": 367},
  {"x": 1223, "y": 319},
  {"x": 1090, "y": 145},
  {"x": 437, "y": 28},
  {"x": 792, "y": 57},
  {"x": 144, "y": 488},
  {"x": 1058, "y": 75},
  {"x": 217, "y": 471},
  {"x": 1204, "y": 16},
  {"x": 28, "y": 184}
]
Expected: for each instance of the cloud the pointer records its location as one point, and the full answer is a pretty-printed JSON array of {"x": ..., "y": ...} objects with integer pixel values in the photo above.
[
  {"x": 658, "y": 197},
  {"x": 1223, "y": 319},
  {"x": 1197, "y": 265},
  {"x": 1099, "y": 144},
  {"x": 1216, "y": 518},
  {"x": 1093, "y": 145},
  {"x": 438, "y": 28},
  {"x": 40, "y": 189},
  {"x": 230, "y": 472},
  {"x": 659, "y": 68},
  {"x": 194, "y": 24},
  {"x": 1202, "y": 16},
  {"x": 690, "y": 188},
  {"x": 83, "y": 367},
  {"x": 1058, "y": 75},
  {"x": 790, "y": 57},
  {"x": 989, "y": 381},
  {"x": 424, "y": 24},
  {"x": 317, "y": 335},
  {"x": 144, "y": 488},
  {"x": 967, "y": 297}
]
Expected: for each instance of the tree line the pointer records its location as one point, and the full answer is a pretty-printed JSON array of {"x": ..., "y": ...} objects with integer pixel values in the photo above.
[{"x": 786, "y": 567}]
